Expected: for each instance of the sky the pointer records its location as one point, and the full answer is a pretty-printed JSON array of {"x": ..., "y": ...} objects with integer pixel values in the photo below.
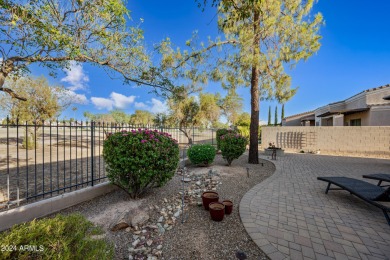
[{"x": 354, "y": 56}]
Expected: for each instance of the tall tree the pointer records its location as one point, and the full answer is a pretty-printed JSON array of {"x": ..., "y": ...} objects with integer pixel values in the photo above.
[
  {"x": 184, "y": 113},
  {"x": 120, "y": 117},
  {"x": 231, "y": 106},
  {"x": 209, "y": 111},
  {"x": 141, "y": 117},
  {"x": 276, "y": 116},
  {"x": 54, "y": 32},
  {"x": 269, "y": 115},
  {"x": 282, "y": 115},
  {"x": 265, "y": 36},
  {"x": 270, "y": 34},
  {"x": 46, "y": 102}
]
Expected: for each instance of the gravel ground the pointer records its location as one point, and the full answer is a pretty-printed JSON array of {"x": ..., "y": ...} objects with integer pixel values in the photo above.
[{"x": 198, "y": 237}]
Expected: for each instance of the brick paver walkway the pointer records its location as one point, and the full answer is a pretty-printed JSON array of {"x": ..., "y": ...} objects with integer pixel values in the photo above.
[{"x": 290, "y": 217}]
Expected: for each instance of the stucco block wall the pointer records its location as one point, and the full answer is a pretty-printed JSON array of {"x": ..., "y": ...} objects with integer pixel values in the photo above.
[{"x": 373, "y": 141}]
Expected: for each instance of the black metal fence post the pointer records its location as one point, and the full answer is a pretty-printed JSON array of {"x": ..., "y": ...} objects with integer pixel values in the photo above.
[
  {"x": 53, "y": 162},
  {"x": 92, "y": 151}
]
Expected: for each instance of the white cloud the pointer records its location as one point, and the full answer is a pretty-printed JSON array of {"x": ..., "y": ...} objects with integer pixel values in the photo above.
[
  {"x": 121, "y": 101},
  {"x": 140, "y": 105},
  {"x": 102, "y": 103},
  {"x": 76, "y": 77},
  {"x": 116, "y": 100},
  {"x": 158, "y": 106},
  {"x": 78, "y": 98}
]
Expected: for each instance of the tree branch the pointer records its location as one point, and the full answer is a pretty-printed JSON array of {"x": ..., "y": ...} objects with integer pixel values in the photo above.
[
  {"x": 12, "y": 93},
  {"x": 195, "y": 54}
]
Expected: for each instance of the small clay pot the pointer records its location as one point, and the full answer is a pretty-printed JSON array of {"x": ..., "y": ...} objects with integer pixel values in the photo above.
[
  {"x": 208, "y": 197},
  {"x": 217, "y": 211},
  {"x": 228, "y": 206}
]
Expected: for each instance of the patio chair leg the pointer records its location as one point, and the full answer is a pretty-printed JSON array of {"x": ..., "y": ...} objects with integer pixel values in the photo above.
[
  {"x": 386, "y": 216},
  {"x": 327, "y": 188},
  {"x": 379, "y": 183}
]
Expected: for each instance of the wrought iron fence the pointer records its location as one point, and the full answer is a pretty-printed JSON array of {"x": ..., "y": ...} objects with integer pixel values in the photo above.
[{"x": 46, "y": 159}]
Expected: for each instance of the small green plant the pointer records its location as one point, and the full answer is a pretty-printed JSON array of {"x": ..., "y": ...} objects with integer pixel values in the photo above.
[
  {"x": 221, "y": 132},
  {"x": 140, "y": 160},
  {"x": 29, "y": 142},
  {"x": 61, "y": 237},
  {"x": 232, "y": 146},
  {"x": 201, "y": 154}
]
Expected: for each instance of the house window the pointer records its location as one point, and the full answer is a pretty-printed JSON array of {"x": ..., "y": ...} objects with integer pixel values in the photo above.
[{"x": 356, "y": 122}]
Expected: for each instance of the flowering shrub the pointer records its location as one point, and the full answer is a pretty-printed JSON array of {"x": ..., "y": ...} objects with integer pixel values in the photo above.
[
  {"x": 221, "y": 132},
  {"x": 139, "y": 160},
  {"x": 232, "y": 146},
  {"x": 201, "y": 154}
]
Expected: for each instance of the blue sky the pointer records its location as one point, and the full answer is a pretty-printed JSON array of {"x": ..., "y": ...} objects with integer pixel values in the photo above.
[{"x": 354, "y": 56}]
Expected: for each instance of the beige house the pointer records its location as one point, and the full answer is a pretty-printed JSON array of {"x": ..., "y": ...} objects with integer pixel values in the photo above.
[{"x": 367, "y": 108}]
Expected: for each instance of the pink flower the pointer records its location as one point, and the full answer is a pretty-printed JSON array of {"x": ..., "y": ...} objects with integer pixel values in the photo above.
[
  {"x": 124, "y": 134},
  {"x": 143, "y": 141}
]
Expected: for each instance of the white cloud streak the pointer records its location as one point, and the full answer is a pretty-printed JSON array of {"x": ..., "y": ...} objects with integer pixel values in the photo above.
[
  {"x": 116, "y": 100},
  {"x": 75, "y": 77}
]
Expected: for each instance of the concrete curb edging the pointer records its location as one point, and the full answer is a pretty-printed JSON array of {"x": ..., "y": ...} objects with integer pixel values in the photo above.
[{"x": 48, "y": 206}]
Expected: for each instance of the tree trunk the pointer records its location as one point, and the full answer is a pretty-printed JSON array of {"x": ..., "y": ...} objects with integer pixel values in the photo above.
[
  {"x": 188, "y": 135},
  {"x": 254, "y": 126}
]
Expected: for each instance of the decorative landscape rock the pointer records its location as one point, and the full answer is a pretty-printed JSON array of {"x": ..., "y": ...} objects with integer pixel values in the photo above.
[
  {"x": 132, "y": 218},
  {"x": 146, "y": 242}
]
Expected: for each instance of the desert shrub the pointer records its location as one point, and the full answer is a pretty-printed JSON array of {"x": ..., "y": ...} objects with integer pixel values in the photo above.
[
  {"x": 203, "y": 154},
  {"x": 221, "y": 132},
  {"x": 140, "y": 160},
  {"x": 29, "y": 142},
  {"x": 61, "y": 237},
  {"x": 232, "y": 146}
]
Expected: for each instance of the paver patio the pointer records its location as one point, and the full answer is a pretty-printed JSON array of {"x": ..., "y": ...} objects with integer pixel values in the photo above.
[{"x": 289, "y": 216}]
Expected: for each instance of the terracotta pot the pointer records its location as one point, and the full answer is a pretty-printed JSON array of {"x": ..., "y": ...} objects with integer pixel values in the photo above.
[
  {"x": 228, "y": 206},
  {"x": 208, "y": 197},
  {"x": 217, "y": 211}
]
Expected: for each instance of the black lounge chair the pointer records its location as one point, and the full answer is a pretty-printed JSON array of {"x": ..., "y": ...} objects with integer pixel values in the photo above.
[
  {"x": 380, "y": 177},
  {"x": 368, "y": 192}
]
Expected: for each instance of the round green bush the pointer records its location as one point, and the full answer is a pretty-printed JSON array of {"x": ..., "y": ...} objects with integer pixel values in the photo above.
[
  {"x": 232, "y": 146},
  {"x": 140, "y": 160},
  {"x": 221, "y": 132},
  {"x": 201, "y": 154}
]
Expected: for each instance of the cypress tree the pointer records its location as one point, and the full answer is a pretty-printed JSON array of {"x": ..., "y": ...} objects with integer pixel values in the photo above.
[
  {"x": 269, "y": 115},
  {"x": 276, "y": 116},
  {"x": 281, "y": 118}
]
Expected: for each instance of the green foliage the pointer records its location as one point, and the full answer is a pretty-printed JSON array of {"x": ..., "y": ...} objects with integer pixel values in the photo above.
[
  {"x": 161, "y": 119},
  {"x": 120, "y": 117},
  {"x": 233, "y": 145},
  {"x": 231, "y": 105},
  {"x": 45, "y": 101},
  {"x": 61, "y": 237},
  {"x": 201, "y": 154},
  {"x": 140, "y": 160},
  {"x": 56, "y": 34},
  {"x": 221, "y": 132},
  {"x": 184, "y": 113},
  {"x": 209, "y": 110},
  {"x": 141, "y": 117},
  {"x": 243, "y": 124},
  {"x": 282, "y": 115}
]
